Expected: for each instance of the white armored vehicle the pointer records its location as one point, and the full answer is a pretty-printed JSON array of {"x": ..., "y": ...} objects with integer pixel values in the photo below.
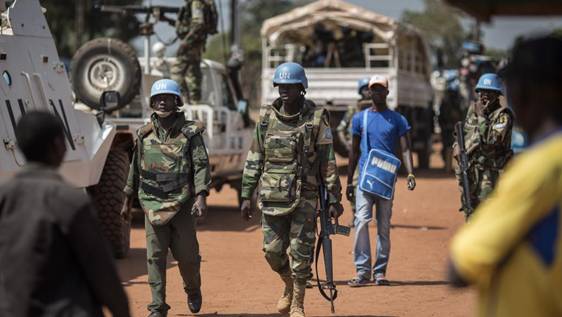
[
  {"x": 339, "y": 44},
  {"x": 109, "y": 64},
  {"x": 33, "y": 78}
]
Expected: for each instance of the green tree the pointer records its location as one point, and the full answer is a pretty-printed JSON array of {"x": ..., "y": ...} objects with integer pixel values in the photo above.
[
  {"x": 63, "y": 16},
  {"x": 252, "y": 14},
  {"x": 441, "y": 26}
]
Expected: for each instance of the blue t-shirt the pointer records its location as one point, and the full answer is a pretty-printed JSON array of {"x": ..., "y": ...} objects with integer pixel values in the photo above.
[{"x": 384, "y": 130}]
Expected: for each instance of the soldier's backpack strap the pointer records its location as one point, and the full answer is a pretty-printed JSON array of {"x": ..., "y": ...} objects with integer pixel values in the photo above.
[
  {"x": 264, "y": 124},
  {"x": 142, "y": 132},
  {"x": 312, "y": 128}
]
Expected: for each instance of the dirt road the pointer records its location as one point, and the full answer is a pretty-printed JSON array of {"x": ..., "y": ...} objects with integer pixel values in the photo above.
[{"x": 238, "y": 282}]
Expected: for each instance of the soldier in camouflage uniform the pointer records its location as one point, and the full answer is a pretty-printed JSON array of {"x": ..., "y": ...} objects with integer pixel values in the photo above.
[
  {"x": 192, "y": 32},
  {"x": 344, "y": 128},
  {"x": 487, "y": 131},
  {"x": 170, "y": 174},
  {"x": 291, "y": 154}
]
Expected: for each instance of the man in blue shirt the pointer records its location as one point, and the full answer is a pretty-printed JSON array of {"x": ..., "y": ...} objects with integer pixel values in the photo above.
[{"x": 384, "y": 130}]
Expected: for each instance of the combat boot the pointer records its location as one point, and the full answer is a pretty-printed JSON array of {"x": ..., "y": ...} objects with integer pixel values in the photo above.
[
  {"x": 284, "y": 303},
  {"x": 297, "y": 305}
]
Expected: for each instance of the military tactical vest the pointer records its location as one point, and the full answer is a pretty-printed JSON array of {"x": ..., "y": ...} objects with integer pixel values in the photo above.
[
  {"x": 166, "y": 180},
  {"x": 477, "y": 131},
  {"x": 290, "y": 162}
]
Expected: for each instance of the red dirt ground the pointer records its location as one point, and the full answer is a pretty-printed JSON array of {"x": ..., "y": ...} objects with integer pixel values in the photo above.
[{"x": 238, "y": 282}]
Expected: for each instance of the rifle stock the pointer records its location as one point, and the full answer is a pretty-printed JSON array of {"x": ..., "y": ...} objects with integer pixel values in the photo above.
[{"x": 463, "y": 166}]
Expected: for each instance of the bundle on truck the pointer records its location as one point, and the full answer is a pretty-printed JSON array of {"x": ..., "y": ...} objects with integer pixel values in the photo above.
[{"x": 338, "y": 44}]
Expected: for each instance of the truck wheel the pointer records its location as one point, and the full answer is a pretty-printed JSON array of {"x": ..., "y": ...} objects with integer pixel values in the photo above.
[
  {"x": 105, "y": 64},
  {"x": 108, "y": 197}
]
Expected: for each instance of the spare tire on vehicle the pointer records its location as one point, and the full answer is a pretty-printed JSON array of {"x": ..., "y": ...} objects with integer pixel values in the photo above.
[{"x": 105, "y": 64}]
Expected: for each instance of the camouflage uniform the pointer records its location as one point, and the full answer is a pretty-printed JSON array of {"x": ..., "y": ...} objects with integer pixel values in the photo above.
[
  {"x": 169, "y": 169},
  {"x": 286, "y": 157},
  {"x": 344, "y": 128},
  {"x": 488, "y": 145},
  {"x": 190, "y": 28}
]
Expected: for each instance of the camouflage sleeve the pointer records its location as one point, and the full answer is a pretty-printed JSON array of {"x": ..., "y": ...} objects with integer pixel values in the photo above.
[
  {"x": 200, "y": 165},
  {"x": 253, "y": 167},
  {"x": 197, "y": 23},
  {"x": 132, "y": 186},
  {"x": 328, "y": 168}
]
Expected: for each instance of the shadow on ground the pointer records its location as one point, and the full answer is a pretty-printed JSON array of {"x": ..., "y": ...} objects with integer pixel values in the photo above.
[
  {"x": 134, "y": 265},
  {"x": 398, "y": 283},
  {"x": 270, "y": 315},
  {"x": 417, "y": 227}
]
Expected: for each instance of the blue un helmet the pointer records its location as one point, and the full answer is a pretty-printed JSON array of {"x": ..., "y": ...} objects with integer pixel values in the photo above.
[
  {"x": 290, "y": 73},
  {"x": 363, "y": 82},
  {"x": 165, "y": 86},
  {"x": 489, "y": 81}
]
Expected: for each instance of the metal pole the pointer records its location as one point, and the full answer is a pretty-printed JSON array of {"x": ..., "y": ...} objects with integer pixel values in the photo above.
[{"x": 147, "y": 54}]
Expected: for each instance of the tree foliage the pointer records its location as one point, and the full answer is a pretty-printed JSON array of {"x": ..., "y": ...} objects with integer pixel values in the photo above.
[
  {"x": 441, "y": 26},
  {"x": 252, "y": 14},
  {"x": 62, "y": 19}
]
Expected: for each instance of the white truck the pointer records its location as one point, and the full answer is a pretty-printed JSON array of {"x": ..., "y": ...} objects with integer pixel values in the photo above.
[{"x": 339, "y": 44}]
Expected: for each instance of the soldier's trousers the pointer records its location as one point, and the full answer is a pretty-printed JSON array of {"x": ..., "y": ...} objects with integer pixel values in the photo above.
[
  {"x": 291, "y": 235},
  {"x": 179, "y": 236},
  {"x": 482, "y": 183},
  {"x": 186, "y": 71}
]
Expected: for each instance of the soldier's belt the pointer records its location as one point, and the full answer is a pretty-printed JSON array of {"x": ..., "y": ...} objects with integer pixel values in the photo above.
[
  {"x": 164, "y": 177},
  {"x": 161, "y": 192}
]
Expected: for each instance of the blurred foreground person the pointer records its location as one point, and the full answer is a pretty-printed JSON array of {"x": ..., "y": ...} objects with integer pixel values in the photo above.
[
  {"x": 511, "y": 250},
  {"x": 53, "y": 258}
]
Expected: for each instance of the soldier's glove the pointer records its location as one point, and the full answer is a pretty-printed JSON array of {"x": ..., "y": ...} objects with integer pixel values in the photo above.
[
  {"x": 335, "y": 210},
  {"x": 350, "y": 192},
  {"x": 246, "y": 209},
  {"x": 411, "y": 181},
  {"x": 199, "y": 208}
]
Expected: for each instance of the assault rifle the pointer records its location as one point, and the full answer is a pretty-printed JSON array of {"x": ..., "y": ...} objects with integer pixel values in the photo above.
[
  {"x": 463, "y": 166},
  {"x": 327, "y": 228}
]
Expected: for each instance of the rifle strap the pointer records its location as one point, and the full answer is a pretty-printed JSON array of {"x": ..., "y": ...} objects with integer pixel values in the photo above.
[{"x": 320, "y": 288}]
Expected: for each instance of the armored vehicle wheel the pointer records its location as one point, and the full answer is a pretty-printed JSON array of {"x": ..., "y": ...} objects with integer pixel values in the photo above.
[
  {"x": 105, "y": 64},
  {"x": 108, "y": 197}
]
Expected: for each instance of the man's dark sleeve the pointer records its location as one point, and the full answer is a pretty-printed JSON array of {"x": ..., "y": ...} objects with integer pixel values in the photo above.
[{"x": 96, "y": 261}]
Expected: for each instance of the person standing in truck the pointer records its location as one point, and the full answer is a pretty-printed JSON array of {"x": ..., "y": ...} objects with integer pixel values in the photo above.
[{"x": 196, "y": 20}]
